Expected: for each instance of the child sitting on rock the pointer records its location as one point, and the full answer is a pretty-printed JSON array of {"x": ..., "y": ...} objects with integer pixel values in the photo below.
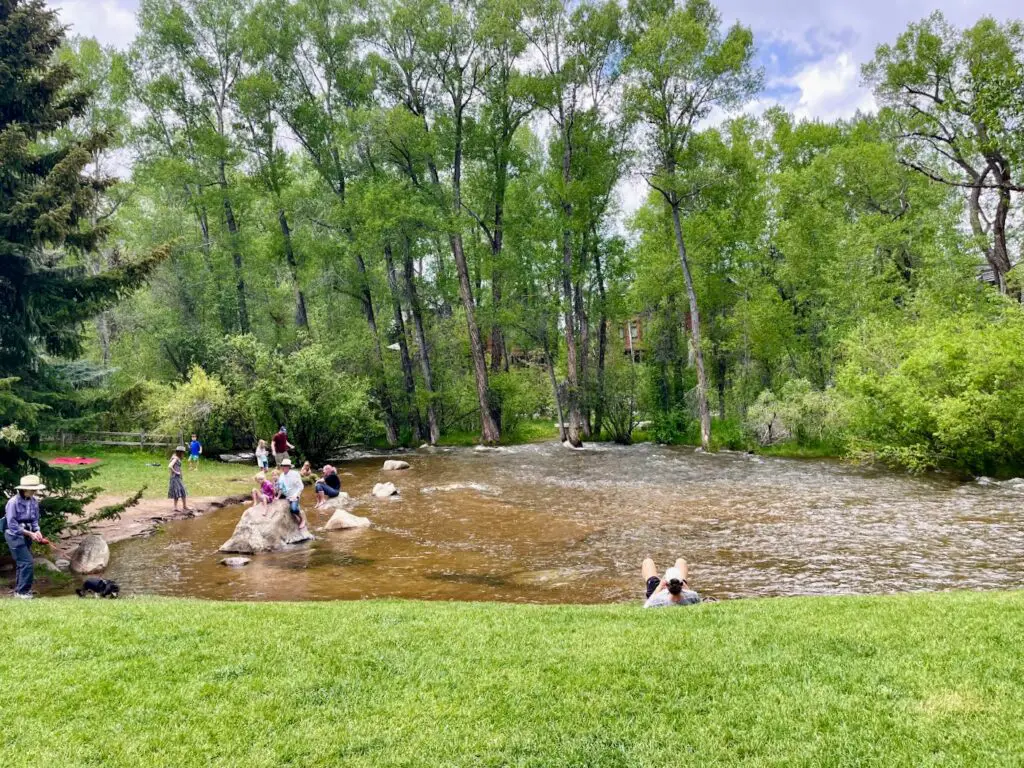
[{"x": 263, "y": 493}]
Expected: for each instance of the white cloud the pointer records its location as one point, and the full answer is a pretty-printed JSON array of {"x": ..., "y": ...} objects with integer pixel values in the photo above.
[
  {"x": 112, "y": 22},
  {"x": 830, "y": 89}
]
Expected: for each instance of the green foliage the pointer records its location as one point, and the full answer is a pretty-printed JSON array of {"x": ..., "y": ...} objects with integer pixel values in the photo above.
[
  {"x": 307, "y": 390},
  {"x": 799, "y": 413},
  {"x": 200, "y": 405},
  {"x": 941, "y": 392},
  {"x": 521, "y": 393}
]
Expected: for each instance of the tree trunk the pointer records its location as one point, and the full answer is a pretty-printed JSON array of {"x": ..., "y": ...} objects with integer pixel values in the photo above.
[
  {"x": 582, "y": 323},
  {"x": 602, "y": 343},
  {"x": 489, "y": 431},
  {"x": 421, "y": 338},
  {"x": 562, "y": 437},
  {"x": 301, "y": 319},
  {"x": 236, "y": 253},
  {"x": 366, "y": 299},
  {"x": 698, "y": 353},
  {"x": 403, "y": 344}
]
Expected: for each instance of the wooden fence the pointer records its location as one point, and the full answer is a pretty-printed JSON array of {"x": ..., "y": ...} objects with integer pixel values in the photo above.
[{"x": 134, "y": 439}]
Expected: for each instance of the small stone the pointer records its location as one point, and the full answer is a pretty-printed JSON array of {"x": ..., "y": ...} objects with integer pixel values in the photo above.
[
  {"x": 393, "y": 465},
  {"x": 342, "y": 520},
  {"x": 384, "y": 490},
  {"x": 91, "y": 555},
  {"x": 42, "y": 562},
  {"x": 235, "y": 562},
  {"x": 63, "y": 563}
]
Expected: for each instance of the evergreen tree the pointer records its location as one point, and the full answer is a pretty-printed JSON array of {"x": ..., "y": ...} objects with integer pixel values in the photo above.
[{"x": 46, "y": 293}]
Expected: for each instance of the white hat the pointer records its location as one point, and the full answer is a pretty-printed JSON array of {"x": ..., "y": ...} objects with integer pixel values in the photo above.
[
  {"x": 286, "y": 463},
  {"x": 30, "y": 483},
  {"x": 180, "y": 448},
  {"x": 674, "y": 574}
]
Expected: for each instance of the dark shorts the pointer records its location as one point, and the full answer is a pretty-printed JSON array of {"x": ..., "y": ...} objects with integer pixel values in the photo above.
[
  {"x": 294, "y": 506},
  {"x": 327, "y": 491},
  {"x": 652, "y": 584}
]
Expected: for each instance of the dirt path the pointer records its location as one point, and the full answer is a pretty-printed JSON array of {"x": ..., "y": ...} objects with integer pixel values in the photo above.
[{"x": 144, "y": 518}]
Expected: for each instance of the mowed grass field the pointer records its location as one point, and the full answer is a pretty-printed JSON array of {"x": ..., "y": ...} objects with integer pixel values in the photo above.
[
  {"x": 123, "y": 472},
  {"x": 918, "y": 680}
]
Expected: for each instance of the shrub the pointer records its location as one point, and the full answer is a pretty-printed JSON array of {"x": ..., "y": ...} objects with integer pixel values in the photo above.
[
  {"x": 799, "y": 412},
  {"x": 202, "y": 404},
  {"x": 945, "y": 392},
  {"x": 520, "y": 393}
]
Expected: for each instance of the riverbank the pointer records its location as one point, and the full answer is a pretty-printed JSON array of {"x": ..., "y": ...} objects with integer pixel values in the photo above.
[{"x": 886, "y": 681}]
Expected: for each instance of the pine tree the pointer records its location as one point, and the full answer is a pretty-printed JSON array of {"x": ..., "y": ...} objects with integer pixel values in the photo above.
[{"x": 46, "y": 295}]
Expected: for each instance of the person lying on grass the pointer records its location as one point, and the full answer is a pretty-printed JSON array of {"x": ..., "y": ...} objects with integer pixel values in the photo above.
[
  {"x": 668, "y": 591},
  {"x": 328, "y": 487},
  {"x": 290, "y": 487}
]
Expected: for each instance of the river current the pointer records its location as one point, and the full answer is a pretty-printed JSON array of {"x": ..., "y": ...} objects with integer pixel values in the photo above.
[{"x": 543, "y": 524}]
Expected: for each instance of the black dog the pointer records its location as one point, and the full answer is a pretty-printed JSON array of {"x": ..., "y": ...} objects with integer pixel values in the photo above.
[{"x": 99, "y": 587}]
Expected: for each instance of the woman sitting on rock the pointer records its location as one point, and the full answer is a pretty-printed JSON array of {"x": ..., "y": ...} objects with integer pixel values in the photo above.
[
  {"x": 671, "y": 590},
  {"x": 328, "y": 487}
]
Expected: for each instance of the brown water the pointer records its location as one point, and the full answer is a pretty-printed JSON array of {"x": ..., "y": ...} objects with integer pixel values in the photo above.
[{"x": 540, "y": 523}]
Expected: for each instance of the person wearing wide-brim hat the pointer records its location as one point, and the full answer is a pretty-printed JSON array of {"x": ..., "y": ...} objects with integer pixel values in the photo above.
[
  {"x": 176, "y": 486},
  {"x": 21, "y": 525}
]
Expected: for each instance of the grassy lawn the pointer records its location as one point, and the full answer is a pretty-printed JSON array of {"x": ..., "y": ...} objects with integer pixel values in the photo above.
[
  {"x": 917, "y": 680},
  {"x": 123, "y": 472}
]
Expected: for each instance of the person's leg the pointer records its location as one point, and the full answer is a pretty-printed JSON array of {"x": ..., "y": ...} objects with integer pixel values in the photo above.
[
  {"x": 683, "y": 568},
  {"x": 23, "y": 560},
  {"x": 256, "y": 496},
  {"x": 648, "y": 569}
]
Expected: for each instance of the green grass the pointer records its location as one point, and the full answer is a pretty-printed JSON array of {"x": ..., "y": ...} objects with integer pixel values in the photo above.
[
  {"x": 123, "y": 472},
  {"x": 923, "y": 680}
]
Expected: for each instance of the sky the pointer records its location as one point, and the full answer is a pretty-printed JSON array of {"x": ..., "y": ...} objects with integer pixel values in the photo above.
[{"x": 811, "y": 50}]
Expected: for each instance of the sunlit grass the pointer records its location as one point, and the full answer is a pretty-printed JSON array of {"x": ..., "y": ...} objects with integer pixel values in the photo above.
[
  {"x": 123, "y": 472},
  {"x": 887, "y": 681}
]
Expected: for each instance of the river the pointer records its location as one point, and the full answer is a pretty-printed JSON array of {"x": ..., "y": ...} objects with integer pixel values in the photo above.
[{"x": 542, "y": 524}]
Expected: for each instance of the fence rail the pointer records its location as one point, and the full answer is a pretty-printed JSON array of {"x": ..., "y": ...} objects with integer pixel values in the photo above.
[{"x": 140, "y": 439}]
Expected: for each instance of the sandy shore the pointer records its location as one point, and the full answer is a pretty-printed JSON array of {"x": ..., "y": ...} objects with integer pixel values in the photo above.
[{"x": 144, "y": 518}]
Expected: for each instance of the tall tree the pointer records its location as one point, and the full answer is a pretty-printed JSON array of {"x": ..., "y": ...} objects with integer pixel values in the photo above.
[
  {"x": 46, "y": 196},
  {"x": 579, "y": 53},
  {"x": 956, "y": 101},
  {"x": 682, "y": 67}
]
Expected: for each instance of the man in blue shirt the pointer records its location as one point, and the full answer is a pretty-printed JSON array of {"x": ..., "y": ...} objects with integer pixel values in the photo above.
[{"x": 195, "y": 450}]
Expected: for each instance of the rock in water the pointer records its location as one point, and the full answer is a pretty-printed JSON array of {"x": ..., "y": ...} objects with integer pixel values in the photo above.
[
  {"x": 384, "y": 490},
  {"x": 343, "y": 519},
  {"x": 268, "y": 530},
  {"x": 91, "y": 555},
  {"x": 392, "y": 465},
  {"x": 235, "y": 562}
]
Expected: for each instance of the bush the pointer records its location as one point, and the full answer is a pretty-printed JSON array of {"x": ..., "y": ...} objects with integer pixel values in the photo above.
[
  {"x": 323, "y": 406},
  {"x": 202, "y": 405},
  {"x": 799, "y": 413},
  {"x": 520, "y": 393},
  {"x": 939, "y": 393}
]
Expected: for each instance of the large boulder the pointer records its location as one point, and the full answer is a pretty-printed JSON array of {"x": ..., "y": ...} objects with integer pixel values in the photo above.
[
  {"x": 91, "y": 555},
  {"x": 384, "y": 490},
  {"x": 392, "y": 465},
  {"x": 343, "y": 519},
  {"x": 266, "y": 530}
]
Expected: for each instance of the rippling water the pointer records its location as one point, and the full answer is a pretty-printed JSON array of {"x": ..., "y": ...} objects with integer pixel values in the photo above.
[{"x": 539, "y": 523}]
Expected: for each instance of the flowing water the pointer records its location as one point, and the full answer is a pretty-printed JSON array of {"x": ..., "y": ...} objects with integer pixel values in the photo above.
[{"x": 539, "y": 523}]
